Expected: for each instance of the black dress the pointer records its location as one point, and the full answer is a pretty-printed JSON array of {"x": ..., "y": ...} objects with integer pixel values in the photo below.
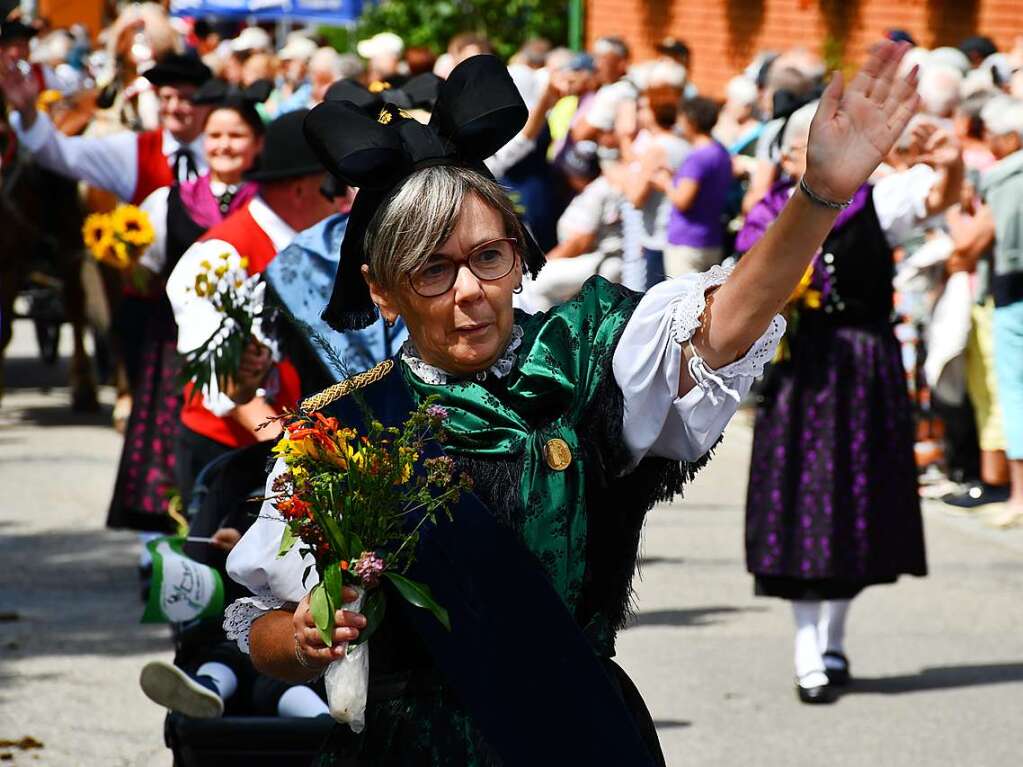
[
  {"x": 832, "y": 504},
  {"x": 146, "y": 477}
]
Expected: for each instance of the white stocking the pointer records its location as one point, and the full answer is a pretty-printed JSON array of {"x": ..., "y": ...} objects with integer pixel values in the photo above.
[
  {"x": 809, "y": 664},
  {"x": 301, "y": 701},
  {"x": 831, "y": 630},
  {"x": 223, "y": 677}
]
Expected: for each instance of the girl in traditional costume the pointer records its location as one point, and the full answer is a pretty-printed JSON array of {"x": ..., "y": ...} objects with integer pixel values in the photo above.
[
  {"x": 572, "y": 423},
  {"x": 180, "y": 214},
  {"x": 833, "y": 505}
]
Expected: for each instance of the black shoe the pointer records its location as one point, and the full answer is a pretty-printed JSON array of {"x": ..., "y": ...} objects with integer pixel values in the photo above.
[
  {"x": 977, "y": 494},
  {"x": 838, "y": 675},
  {"x": 822, "y": 693}
]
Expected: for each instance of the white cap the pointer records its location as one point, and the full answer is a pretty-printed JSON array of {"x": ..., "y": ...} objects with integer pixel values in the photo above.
[
  {"x": 382, "y": 44},
  {"x": 297, "y": 47},
  {"x": 252, "y": 39}
]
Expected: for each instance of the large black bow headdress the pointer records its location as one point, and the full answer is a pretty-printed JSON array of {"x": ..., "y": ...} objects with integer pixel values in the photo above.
[
  {"x": 419, "y": 92},
  {"x": 477, "y": 111}
]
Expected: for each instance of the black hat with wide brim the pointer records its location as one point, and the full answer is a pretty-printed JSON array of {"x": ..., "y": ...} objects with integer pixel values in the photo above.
[
  {"x": 286, "y": 153},
  {"x": 477, "y": 111},
  {"x": 178, "y": 69},
  {"x": 16, "y": 30}
]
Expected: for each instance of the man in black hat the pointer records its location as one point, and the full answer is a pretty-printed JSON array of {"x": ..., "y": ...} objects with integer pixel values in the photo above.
[
  {"x": 131, "y": 165},
  {"x": 289, "y": 201},
  {"x": 14, "y": 46}
]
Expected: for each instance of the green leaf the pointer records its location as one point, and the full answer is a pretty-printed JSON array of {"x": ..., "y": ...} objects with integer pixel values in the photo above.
[
  {"x": 332, "y": 583},
  {"x": 323, "y": 613},
  {"x": 288, "y": 541},
  {"x": 356, "y": 545},
  {"x": 373, "y": 610},
  {"x": 419, "y": 594}
]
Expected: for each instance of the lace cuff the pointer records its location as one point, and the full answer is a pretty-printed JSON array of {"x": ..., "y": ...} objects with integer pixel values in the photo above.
[
  {"x": 686, "y": 319},
  {"x": 240, "y": 614}
]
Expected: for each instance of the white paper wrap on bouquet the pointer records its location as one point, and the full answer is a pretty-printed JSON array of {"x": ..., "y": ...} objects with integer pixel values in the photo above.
[{"x": 347, "y": 680}]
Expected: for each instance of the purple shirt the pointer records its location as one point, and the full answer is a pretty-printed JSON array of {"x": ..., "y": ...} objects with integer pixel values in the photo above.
[{"x": 701, "y": 226}]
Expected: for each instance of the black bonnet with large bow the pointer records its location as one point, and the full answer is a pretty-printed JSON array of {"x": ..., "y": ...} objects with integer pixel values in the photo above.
[{"x": 477, "y": 111}]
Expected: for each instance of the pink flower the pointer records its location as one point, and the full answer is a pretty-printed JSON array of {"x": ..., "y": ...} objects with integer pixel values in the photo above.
[
  {"x": 368, "y": 567},
  {"x": 437, "y": 412}
]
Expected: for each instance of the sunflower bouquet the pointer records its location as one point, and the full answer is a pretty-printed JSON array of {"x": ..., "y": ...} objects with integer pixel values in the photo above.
[
  {"x": 356, "y": 503},
  {"x": 119, "y": 238},
  {"x": 237, "y": 302}
]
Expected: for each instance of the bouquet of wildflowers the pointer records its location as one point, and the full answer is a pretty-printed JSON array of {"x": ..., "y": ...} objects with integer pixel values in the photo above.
[
  {"x": 348, "y": 499},
  {"x": 237, "y": 299},
  {"x": 118, "y": 239}
]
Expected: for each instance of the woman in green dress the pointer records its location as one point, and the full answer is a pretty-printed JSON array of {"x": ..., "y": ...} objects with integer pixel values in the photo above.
[{"x": 572, "y": 423}]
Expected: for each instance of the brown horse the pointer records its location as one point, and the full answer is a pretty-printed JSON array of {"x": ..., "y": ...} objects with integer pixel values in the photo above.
[{"x": 40, "y": 232}]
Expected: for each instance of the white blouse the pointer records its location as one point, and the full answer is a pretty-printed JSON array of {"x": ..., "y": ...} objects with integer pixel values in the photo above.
[{"x": 657, "y": 422}]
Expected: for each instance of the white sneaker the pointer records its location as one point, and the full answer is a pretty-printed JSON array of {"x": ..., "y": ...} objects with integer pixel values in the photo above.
[{"x": 172, "y": 688}]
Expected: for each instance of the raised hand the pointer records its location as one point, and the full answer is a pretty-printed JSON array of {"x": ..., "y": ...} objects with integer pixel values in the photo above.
[
  {"x": 855, "y": 127},
  {"x": 19, "y": 88}
]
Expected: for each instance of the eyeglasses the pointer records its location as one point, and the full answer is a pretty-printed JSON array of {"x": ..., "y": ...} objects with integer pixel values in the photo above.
[{"x": 489, "y": 261}]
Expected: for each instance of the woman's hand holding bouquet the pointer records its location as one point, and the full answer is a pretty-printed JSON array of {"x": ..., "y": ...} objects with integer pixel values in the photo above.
[{"x": 356, "y": 504}]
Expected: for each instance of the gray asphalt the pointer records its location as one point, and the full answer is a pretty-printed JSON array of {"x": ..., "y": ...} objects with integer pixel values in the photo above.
[{"x": 939, "y": 660}]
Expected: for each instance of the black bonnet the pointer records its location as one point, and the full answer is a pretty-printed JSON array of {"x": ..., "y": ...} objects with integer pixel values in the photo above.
[{"x": 477, "y": 111}]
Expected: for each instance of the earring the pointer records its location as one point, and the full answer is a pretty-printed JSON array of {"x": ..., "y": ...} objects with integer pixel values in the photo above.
[{"x": 517, "y": 289}]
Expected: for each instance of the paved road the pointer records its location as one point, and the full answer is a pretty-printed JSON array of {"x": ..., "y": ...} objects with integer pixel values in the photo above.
[{"x": 940, "y": 659}]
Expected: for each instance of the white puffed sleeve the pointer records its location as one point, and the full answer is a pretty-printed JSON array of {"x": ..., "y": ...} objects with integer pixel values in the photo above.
[
  {"x": 254, "y": 564},
  {"x": 155, "y": 206},
  {"x": 647, "y": 367}
]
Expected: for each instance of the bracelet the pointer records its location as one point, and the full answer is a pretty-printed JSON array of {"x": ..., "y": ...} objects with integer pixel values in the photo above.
[
  {"x": 304, "y": 661},
  {"x": 818, "y": 200}
]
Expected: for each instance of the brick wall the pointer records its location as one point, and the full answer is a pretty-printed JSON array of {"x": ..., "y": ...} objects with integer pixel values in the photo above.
[{"x": 724, "y": 35}]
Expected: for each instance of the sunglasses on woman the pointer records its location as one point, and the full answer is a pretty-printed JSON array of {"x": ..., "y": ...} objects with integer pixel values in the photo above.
[{"x": 488, "y": 261}]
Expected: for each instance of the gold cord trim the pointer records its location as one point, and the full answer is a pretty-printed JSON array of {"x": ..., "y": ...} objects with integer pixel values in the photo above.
[{"x": 346, "y": 387}]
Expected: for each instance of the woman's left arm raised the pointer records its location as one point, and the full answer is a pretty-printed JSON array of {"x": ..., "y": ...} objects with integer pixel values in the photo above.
[{"x": 854, "y": 129}]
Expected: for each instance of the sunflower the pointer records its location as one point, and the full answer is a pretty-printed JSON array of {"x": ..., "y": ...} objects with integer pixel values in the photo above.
[
  {"x": 97, "y": 229},
  {"x": 114, "y": 253},
  {"x": 132, "y": 225}
]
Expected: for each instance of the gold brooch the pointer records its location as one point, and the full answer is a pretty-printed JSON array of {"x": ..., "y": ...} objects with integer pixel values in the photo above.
[
  {"x": 557, "y": 454},
  {"x": 384, "y": 117}
]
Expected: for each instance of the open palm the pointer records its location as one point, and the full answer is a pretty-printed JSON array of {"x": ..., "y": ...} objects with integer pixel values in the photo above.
[{"x": 855, "y": 127}]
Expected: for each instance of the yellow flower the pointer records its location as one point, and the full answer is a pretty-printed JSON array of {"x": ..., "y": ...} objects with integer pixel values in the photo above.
[
  {"x": 97, "y": 229},
  {"x": 205, "y": 265},
  {"x": 812, "y": 299},
  {"x": 244, "y": 263},
  {"x": 132, "y": 225},
  {"x": 225, "y": 256},
  {"x": 113, "y": 253},
  {"x": 220, "y": 271},
  {"x": 47, "y": 99}
]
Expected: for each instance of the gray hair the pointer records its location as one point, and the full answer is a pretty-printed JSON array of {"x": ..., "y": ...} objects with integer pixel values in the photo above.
[
  {"x": 416, "y": 220},
  {"x": 1003, "y": 115},
  {"x": 939, "y": 89},
  {"x": 798, "y": 126}
]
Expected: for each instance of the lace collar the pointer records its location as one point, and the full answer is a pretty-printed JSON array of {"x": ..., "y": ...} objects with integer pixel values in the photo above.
[{"x": 429, "y": 374}]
